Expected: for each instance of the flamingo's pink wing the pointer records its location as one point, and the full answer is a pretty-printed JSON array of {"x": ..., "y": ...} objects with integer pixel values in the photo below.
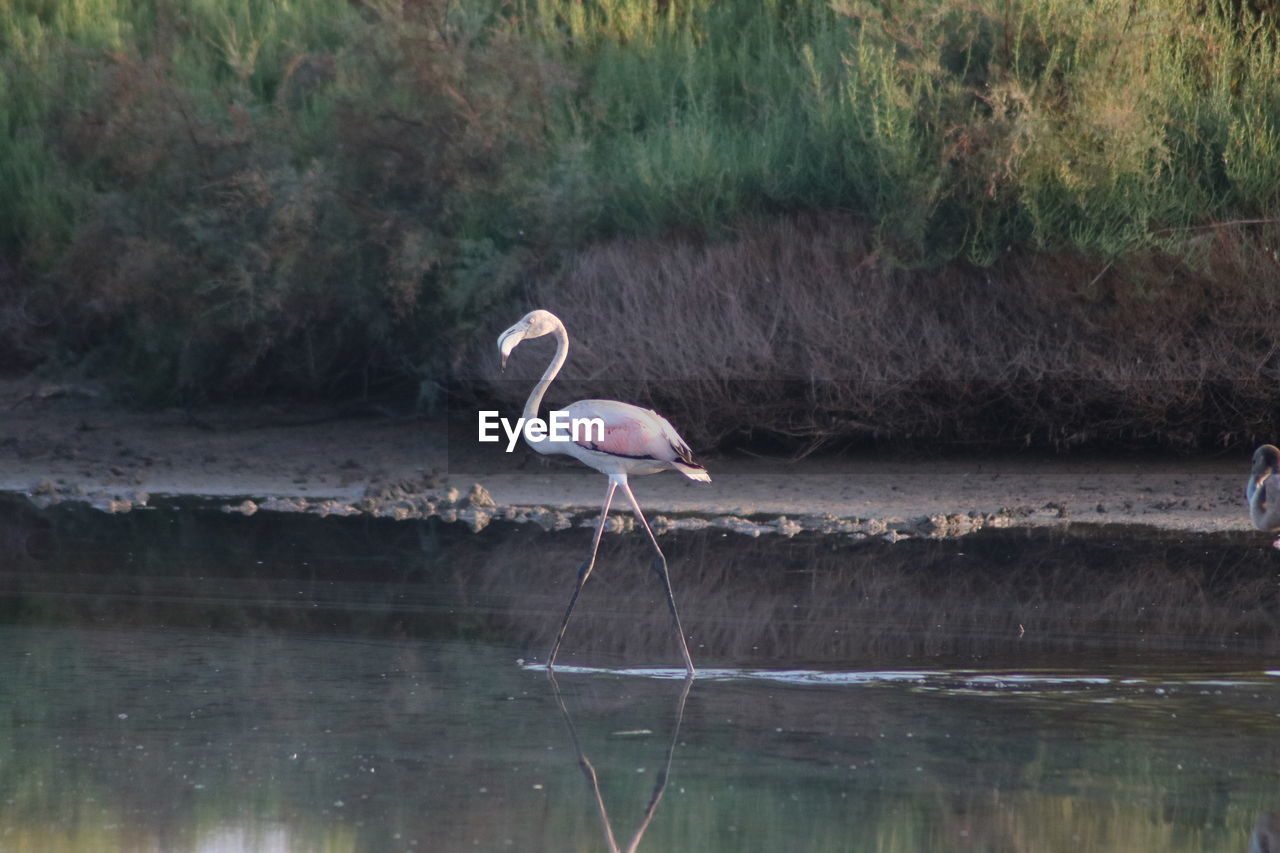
[
  {"x": 622, "y": 437},
  {"x": 632, "y": 432}
]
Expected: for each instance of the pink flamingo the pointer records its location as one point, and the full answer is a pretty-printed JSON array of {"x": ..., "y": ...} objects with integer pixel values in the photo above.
[{"x": 635, "y": 441}]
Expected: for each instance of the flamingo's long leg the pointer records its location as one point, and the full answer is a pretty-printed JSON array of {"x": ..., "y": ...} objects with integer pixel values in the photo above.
[
  {"x": 660, "y": 566},
  {"x": 584, "y": 571}
]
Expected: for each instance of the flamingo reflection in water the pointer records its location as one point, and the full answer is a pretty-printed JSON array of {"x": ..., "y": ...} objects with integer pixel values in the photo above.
[
  {"x": 589, "y": 770},
  {"x": 634, "y": 441}
]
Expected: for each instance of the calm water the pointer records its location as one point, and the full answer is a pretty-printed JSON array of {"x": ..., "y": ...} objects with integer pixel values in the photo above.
[{"x": 179, "y": 680}]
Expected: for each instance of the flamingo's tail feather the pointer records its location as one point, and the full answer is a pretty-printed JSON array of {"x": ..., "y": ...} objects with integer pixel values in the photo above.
[{"x": 693, "y": 471}]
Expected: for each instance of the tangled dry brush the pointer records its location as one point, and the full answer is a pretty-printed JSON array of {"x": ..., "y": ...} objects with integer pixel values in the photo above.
[{"x": 798, "y": 331}]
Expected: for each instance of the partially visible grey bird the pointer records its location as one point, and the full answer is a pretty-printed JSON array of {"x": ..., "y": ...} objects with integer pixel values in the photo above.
[
  {"x": 1263, "y": 489},
  {"x": 1266, "y": 834}
]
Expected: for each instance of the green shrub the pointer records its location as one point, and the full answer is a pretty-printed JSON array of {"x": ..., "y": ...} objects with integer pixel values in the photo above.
[
  {"x": 270, "y": 205},
  {"x": 957, "y": 130},
  {"x": 240, "y": 196}
]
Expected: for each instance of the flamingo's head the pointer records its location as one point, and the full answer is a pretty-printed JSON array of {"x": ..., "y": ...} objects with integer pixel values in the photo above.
[
  {"x": 1266, "y": 461},
  {"x": 535, "y": 324}
]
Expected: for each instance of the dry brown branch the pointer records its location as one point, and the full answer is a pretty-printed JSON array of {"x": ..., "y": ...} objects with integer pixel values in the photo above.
[{"x": 795, "y": 329}]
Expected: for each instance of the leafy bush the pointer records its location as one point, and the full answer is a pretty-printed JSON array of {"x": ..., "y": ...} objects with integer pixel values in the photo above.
[
  {"x": 247, "y": 219},
  {"x": 216, "y": 199},
  {"x": 956, "y": 129}
]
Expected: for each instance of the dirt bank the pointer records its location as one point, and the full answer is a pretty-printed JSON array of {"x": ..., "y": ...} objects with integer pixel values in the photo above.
[{"x": 66, "y": 443}]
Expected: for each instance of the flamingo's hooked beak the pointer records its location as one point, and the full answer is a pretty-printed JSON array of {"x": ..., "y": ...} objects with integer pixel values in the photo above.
[{"x": 508, "y": 340}]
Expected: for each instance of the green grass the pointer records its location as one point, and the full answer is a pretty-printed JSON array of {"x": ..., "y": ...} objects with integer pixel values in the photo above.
[
  {"x": 959, "y": 130},
  {"x": 236, "y": 196}
]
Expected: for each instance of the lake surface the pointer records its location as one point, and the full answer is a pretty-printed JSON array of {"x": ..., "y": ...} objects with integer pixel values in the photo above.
[{"x": 188, "y": 680}]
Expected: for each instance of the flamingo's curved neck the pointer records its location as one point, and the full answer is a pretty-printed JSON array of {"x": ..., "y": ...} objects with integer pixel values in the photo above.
[
  {"x": 534, "y": 402},
  {"x": 1258, "y": 509}
]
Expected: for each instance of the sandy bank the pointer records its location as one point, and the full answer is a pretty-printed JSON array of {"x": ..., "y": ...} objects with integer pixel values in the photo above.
[{"x": 63, "y": 443}]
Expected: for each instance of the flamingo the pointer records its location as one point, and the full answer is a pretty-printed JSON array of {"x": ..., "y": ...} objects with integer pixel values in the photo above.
[
  {"x": 635, "y": 441},
  {"x": 1263, "y": 489}
]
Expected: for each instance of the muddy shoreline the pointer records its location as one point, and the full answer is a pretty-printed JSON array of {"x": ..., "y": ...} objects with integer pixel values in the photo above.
[{"x": 67, "y": 443}]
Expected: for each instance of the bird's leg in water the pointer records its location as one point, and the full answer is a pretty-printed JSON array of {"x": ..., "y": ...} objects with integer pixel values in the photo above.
[
  {"x": 583, "y": 572},
  {"x": 660, "y": 566}
]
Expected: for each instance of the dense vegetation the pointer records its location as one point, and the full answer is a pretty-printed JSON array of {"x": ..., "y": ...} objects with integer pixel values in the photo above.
[{"x": 230, "y": 197}]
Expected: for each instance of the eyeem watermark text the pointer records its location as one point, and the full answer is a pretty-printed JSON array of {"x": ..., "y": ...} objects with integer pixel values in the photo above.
[{"x": 559, "y": 427}]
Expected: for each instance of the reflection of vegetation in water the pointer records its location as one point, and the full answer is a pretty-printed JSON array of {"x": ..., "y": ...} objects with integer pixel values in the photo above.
[
  {"x": 1038, "y": 768},
  {"x": 809, "y": 599},
  {"x": 85, "y": 766},
  {"x": 381, "y": 655},
  {"x": 818, "y": 599},
  {"x": 212, "y": 569},
  {"x": 761, "y": 769},
  {"x": 457, "y": 737},
  {"x": 117, "y": 833},
  {"x": 173, "y": 736}
]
